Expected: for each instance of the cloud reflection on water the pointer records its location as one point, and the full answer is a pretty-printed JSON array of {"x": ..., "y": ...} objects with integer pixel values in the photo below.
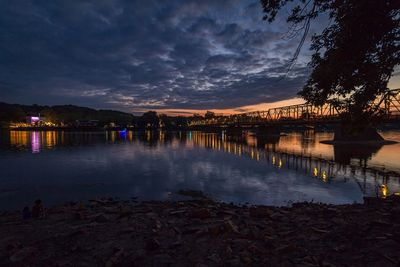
[{"x": 151, "y": 164}]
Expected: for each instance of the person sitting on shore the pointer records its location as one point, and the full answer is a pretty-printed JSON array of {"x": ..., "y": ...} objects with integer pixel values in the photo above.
[
  {"x": 38, "y": 209},
  {"x": 26, "y": 213}
]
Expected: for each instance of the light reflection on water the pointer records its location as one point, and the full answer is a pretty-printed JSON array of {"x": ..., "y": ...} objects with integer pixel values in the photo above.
[
  {"x": 67, "y": 166},
  {"x": 35, "y": 142}
]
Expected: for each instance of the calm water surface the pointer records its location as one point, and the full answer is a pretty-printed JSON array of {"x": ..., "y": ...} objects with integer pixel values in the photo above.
[{"x": 73, "y": 166}]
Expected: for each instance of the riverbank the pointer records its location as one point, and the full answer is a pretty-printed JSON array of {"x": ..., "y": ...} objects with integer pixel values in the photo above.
[
  {"x": 66, "y": 128},
  {"x": 202, "y": 232},
  {"x": 88, "y": 129}
]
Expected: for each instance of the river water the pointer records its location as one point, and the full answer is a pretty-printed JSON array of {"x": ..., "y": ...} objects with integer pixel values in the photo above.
[{"x": 151, "y": 165}]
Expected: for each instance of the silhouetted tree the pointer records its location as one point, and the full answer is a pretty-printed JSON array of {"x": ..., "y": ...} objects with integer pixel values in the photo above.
[
  {"x": 11, "y": 113},
  {"x": 166, "y": 121},
  {"x": 196, "y": 117},
  {"x": 181, "y": 121},
  {"x": 49, "y": 114},
  {"x": 209, "y": 115},
  {"x": 354, "y": 57},
  {"x": 149, "y": 119}
]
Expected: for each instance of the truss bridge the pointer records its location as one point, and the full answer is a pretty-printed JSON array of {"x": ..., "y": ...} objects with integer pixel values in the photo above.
[{"x": 300, "y": 114}]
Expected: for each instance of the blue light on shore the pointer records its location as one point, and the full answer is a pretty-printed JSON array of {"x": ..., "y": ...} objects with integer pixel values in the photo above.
[{"x": 123, "y": 133}]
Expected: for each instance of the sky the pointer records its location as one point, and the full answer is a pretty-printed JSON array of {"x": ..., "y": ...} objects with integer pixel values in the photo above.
[{"x": 175, "y": 57}]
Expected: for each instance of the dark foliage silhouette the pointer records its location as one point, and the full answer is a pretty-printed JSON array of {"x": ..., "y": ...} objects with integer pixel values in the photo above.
[{"x": 354, "y": 57}]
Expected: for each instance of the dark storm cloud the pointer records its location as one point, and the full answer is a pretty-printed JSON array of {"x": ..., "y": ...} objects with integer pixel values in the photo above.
[{"x": 127, "y": 54}]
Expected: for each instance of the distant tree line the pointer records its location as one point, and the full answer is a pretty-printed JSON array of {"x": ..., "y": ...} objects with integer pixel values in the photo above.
[{"x": 68, "y": 115}]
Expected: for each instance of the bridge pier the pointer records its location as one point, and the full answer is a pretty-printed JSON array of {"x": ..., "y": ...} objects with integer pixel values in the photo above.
[
  {"x": 263, "y": 140},
  {"x": 234, "y": 130},
  {"x": 267, "y": 134},
  {"x": 368, "y": 134},
  {"x": 267, "y": 131},
  {"x": 344, "y": 153}
]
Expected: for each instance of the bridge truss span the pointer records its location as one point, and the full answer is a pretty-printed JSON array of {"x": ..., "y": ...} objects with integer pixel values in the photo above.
[
  {"x": 391, "y": 103},
  {"x": 302, "y": 113}
]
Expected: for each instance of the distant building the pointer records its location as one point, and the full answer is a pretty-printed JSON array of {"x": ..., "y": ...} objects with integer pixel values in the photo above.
[
  {"x": 86, "y": 123},
  {"x": 35, "y": 120}
]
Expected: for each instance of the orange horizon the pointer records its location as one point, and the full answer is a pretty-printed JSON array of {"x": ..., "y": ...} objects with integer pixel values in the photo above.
[
  {"x": 226, "y": 111},
  {"x": 394, "y": 83}
]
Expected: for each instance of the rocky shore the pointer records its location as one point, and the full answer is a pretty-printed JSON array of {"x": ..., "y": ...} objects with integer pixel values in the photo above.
[{"x": 201, "y": 232}]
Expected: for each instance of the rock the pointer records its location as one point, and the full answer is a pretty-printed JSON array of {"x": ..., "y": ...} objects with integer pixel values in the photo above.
[
  {"x": 76, "y": 248},
  {"x": 125, "y": 214},
  {"x": 162, "y": 259},
  {"x": 98, "y": 202},
  {"x": 201, "y": 214},
  {"x": 13, "y": 246},
  {"x": 176, "y": 230},
  {"x": 215, "y": 230},
  {"x": 379, "y": 223},
  {"x": 193, "y": 194},
  {"x": 79, "y": 216},
  {"x": 320, "y": 231},
  {"x": 158, "y": 224},
  {"x": 286, "y": 249},
  {"x": 151, "y": 214},
  {"x": 240, "y": 242},
  {"x": 227, "y": 212},
  {"x": 101, "y": 218},
  {"x": 246, "y": 260},
  {"x": 234, "y": 262},
  {"x": 178, "y": 212},
  {"x": 255, "y": 249},
  {"x": 214, "y": 257},
  {"x": 388, "y": 243},
  {"x": 229, "y": 226},
  {"x": 79, "y": 232},
  {"x": 177, "y": 243},
  {"x": 395, "y": 214},
  {"x": 152, "y": 244},
  {"x": 22, "y": 254},
  {"x": 127, "y": 230},
  {"x": 259, "y": 213},
  {"x": 198, "y": 229},
  {"x": 139, "y": 254},
  {"x": 228, "y": 250}
]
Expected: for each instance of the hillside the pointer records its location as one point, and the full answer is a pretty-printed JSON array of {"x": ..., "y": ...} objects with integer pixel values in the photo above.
[{"x": 64, "y": 113}]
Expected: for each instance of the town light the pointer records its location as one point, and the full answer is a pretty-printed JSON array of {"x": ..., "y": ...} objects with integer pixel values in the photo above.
[{"x": 35, "y": 119}]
